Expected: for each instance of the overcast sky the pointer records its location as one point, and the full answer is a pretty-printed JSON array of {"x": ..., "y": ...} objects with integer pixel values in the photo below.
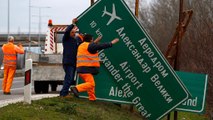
[{"x": 60, "y": 11}]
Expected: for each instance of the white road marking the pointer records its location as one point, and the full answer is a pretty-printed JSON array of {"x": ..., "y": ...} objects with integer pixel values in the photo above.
[
  {"x": 21, "y": 88},
  {"x": 18, "y": 81}
]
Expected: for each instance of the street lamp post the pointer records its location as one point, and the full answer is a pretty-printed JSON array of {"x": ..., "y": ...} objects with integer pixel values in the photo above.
[
  {"x": 39, "y": 23},
  {"x": 8, "y": 24},
  {"x": 39, "y": 29},
  {"x": 29, "y": 24}
]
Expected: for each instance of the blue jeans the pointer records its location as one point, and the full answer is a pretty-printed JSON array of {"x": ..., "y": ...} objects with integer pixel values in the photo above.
[{"x": 68, "y": 79}]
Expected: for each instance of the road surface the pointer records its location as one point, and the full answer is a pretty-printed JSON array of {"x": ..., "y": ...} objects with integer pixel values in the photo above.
[{"x": 17, "y": 92}]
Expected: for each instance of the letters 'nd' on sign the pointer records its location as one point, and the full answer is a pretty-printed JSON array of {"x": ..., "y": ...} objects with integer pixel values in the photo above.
[
  {"x": 135, "y": 63},
  {"x": 197, "y": 86}
]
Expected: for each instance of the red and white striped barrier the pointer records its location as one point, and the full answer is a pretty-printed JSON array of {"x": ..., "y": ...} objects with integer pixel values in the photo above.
[{"x": 50, "y": 40}]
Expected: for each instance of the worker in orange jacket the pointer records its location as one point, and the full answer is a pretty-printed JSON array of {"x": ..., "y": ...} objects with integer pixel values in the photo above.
[
  {"x": 10, "y": 55},
  {"x": 88, "y": 64}
]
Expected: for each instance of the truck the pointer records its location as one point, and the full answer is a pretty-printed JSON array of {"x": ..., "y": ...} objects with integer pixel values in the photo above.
[{"x": 47, "y": 68}]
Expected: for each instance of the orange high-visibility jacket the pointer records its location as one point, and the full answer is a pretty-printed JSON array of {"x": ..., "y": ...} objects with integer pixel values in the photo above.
[
  {"x": 85, "y": 58},
  {"x": 10, "y": 51}
]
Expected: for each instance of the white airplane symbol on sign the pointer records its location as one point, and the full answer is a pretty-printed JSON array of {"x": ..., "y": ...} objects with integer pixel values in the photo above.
[{"x": 113, "y": 14}]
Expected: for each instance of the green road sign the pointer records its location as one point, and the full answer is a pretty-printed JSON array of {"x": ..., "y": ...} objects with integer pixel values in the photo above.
[
  {"x": 107, "y": 90},
  {"x": 197, "y": 86},
  {"x": 135, "y": 64}
]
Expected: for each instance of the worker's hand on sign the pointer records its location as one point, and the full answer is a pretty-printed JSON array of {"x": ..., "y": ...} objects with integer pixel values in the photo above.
[
  {"x": 74, "y": 21},
  {"x": 97, "y": 40},
  {"x": 115, "y": 41}
]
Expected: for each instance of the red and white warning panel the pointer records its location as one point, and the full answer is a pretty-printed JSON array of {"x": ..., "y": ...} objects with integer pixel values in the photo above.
[
  {"x": 50, "y": 41},
  {"x": 27, "y": 83}
]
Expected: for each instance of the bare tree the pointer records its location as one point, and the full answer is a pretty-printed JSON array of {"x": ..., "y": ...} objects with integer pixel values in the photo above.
[
  {"x": 160, "y": 19},
  {"x": 197, "y": 54}
]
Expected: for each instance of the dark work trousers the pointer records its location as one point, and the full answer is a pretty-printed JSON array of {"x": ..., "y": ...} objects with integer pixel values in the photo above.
[{"x": 68, "y": 79}]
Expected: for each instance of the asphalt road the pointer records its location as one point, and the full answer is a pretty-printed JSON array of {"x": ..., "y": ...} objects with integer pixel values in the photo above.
[{"x": 17, "y": 91}]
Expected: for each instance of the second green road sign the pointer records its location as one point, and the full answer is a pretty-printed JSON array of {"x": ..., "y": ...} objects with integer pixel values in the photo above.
[
  {"x": 197, "y": 86},
  {"x": 135, "y": 64}
]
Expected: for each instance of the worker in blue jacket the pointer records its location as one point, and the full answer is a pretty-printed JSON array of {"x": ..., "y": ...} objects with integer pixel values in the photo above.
[{"x": 70, "y": 45}]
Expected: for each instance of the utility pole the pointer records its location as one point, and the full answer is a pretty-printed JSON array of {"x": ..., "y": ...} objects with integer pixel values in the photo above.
[
  {"x": 179, "y": 39},
  {"x": 92, "y": 1},
  {"x": 136, "y": 14},
  {"x": 39, "y": 23},
  {"x": 136, "y": 7},
  {"x": 39, "y": 29},
  {"x": 29, "y": 24},
  {"x": 8, "y": 23},
  {"x": 173, "y": 51},
  {"x": 179, "y": 36}
]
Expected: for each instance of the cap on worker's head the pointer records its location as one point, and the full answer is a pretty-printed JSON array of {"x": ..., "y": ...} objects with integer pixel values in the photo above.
[
  {"x": 10, "y": 39},
  {"x": 87, "y": 37}
]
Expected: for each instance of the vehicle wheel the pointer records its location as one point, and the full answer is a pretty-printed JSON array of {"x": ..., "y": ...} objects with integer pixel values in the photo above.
[
  {"x": 45, "y": 87},
  {"x": 37, "y": 87},
  {"x": 53, "y": 87}
]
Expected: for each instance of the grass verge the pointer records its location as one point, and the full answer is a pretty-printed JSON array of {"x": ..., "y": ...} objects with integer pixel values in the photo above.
[
  {"x": 77, "y": 109},
  {"x": 66, "y": 109}
]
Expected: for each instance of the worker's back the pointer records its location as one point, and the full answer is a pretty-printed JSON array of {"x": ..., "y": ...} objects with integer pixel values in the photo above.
[{"x": 9, "y": 54}]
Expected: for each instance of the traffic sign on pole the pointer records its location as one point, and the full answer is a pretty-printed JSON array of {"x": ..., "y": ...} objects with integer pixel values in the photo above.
[{"x": 135, "y": 64}]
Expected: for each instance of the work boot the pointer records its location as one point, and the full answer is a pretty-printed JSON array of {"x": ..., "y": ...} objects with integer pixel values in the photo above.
[
  {"x": 75, "y": 91},
  {"x": 67, "y": 96},
  {"x": 92, "y": 101},
  {"x": 7, "y": 93}
]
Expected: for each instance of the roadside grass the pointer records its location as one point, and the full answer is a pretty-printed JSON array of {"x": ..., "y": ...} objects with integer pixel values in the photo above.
[
  {"x": 187, "y": 116},
  {"x": 77, "y": 109},
  {"x": 66, "y": 109}
]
